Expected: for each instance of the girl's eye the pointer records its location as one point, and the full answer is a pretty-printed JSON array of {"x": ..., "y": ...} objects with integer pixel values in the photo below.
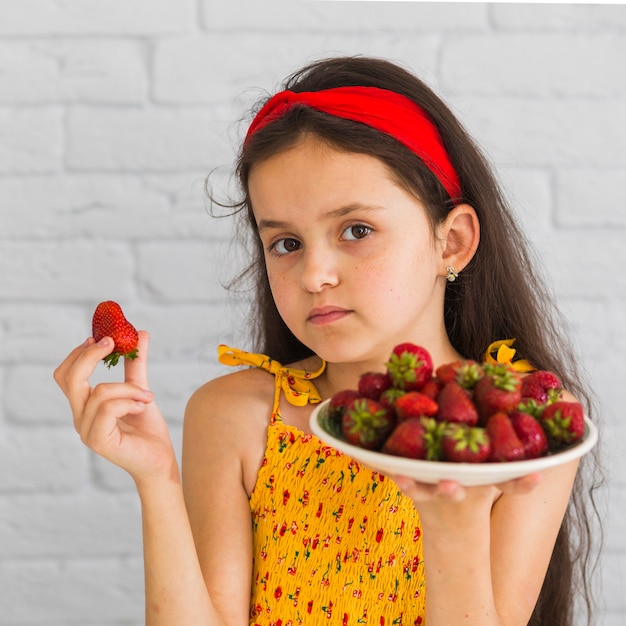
[
  {"x": 285, "y": 246},
  {"x": 356, "y": 231}
]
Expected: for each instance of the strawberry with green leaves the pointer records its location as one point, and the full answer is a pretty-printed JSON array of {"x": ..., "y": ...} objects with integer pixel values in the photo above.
[
  {"x": 465, "y": 444},
  {"x": 564, "y": 422},
  {"x": 498, "y": 391},
  {"x": 409, "y": 366},
  {"x": 466, "y": 372},
  {"x": 542, "y": 386},
  {"x": 367, "y": 423},
  {"x": 416, "y": 438},
  {"x": 109, "y": 321}
]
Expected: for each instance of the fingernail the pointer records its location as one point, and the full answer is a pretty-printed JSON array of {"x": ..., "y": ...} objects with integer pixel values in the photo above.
[{"x": 104, "y": 341}]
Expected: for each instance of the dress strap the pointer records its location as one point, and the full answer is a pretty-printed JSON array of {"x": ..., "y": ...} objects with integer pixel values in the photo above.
[{"x": 295, "y": 384}]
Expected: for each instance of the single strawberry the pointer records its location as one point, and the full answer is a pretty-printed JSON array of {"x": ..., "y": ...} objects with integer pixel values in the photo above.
[
  {"x": 338, "y": 403},
  {"x": 415, "y": 404},
  {"x": 367, "y": 423},
  {"x": 505, "y": 444},
  {"x": 389, "y": 396},
  {"x": 372, "y": 384},
  {"x": 531, "y": 434},
  {"x": 564, "y": 422},
  {"x": 109, "y": 321},
  {"x": 416, "y": 438},
  {"x": 456, "y": 405},
  {"x": 432, "y": 387},
  {"x": 498, "y": 391},
  {"x": 409, "y": 366},
  {"x": 542, "y": 386},
  {"x": 466, "y": 372},
  {"x": 465, "y": 444}
]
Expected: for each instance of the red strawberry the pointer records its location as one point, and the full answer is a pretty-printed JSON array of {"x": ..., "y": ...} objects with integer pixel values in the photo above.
[
  {"x": 432, "y": 387},
  {"x": 542, "y": 386},
  {"x": 372, "y": 384},
  {"x": 498, "y": 391},
  {"x": 456, "y": 405},
  {"x": 564, "y": 422},
  {"x": 531, "y": 434},
  {"x": 109, "y": 321},
  {"x": 367, "y": 423},
  {"x": 338, "y": 403},
  {"x": 466, "y": 372},
  {"x": 465, "y": 444},
  {"x": 409, "y": 366},
  {"x": 415, "y": 438},
  {"x": 505, "y": 444},
  {"x": 389, "y": 396},
  {"x": 414, "y": 404}
]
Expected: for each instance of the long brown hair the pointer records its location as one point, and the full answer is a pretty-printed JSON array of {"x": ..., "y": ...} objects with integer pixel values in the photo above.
[{"x": 499, "y": 294}]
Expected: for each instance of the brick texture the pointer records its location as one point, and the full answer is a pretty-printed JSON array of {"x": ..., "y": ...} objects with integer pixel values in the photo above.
[{"x": 112, "y": 114}]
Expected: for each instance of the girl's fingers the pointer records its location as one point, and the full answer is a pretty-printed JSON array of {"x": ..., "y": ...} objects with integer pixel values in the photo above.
[
  {"x": 424, "y": 492},
  {"x": 136, "y": 370},
  {"x": 101, "y": 430},
  {"x": 111, "y": 400}
]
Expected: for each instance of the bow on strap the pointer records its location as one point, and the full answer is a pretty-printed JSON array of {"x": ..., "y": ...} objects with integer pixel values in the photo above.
[
  {"x": 295, "y": 384},
  {"x": 504, "y": 354}
]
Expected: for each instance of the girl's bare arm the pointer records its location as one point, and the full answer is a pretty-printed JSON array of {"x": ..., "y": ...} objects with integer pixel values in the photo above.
[
  {"x": 487, "y": 549},
  {"x": 121, "y": 422}
]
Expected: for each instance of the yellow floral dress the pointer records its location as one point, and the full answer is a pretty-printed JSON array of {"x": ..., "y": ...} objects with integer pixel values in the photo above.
[{"x": 334, "y": 542}]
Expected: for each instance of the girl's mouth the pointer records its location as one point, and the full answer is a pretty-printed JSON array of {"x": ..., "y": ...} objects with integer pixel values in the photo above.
[{"x": 327, "y": 315}]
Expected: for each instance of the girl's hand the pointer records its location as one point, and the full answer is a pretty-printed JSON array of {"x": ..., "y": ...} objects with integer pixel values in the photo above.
[
  {"x": 449, "y": 505},
  {"x": 118, "y": 421},
  {"x": 450, "y": 491}
]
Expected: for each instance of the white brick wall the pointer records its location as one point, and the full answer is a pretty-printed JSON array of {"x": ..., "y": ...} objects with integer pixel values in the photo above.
[{"x": 111, "y": 113}]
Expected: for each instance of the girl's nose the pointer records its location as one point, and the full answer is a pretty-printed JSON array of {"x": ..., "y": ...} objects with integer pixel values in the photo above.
[{"x": 319, "y": 270}]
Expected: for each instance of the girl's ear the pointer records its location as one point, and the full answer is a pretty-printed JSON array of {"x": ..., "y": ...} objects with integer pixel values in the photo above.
[{"x": 459, "y": 235}]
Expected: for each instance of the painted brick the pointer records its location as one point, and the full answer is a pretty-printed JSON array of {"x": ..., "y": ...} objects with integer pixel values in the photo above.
[
  {"x": 194, "y": 70},
  {"x": 305, "y": 15},
  {"x": 37, "y": 460},
  {"x": 92, "y": 524},
  {"x": 109, "y": 588},
  {"x": 54, "y": 71},
  {"x": 587, "y": 198},
  {"x": 539, "y": 64},
  {"x": 145, "y": 139},
  {"x": 32, "y": 140},
  {"x": 34, "y": 333},
  {"x": 107, "y": 206},
  {"x": 91, "y": 17},
  {"x": 565, "y": 133},
  {"x": 559, "y": 17},
  {"x": 65, "y": 270}
]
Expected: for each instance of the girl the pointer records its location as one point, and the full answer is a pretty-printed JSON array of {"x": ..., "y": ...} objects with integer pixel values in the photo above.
[{"x": 375, "y": 220}]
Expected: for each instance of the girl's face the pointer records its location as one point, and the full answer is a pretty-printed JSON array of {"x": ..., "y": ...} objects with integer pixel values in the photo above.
[{"x": 351, "y": 258}]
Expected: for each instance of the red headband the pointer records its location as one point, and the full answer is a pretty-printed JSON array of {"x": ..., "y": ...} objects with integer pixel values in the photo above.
[{"x": 384, "y": 110}]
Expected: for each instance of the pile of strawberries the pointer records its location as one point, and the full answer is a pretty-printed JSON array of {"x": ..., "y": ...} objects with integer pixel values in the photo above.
[{"x": 463, "y": 412}]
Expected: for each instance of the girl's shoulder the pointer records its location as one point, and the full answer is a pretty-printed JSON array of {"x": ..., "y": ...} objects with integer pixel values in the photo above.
[{"x": 243, "y": 391}]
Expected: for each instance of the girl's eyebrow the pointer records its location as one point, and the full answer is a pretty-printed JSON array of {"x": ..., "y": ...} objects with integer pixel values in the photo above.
[{"x": 341, "y": 212}]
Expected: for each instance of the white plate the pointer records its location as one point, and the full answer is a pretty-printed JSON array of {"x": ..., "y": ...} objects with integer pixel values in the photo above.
[{"x": 467, "y": 474}]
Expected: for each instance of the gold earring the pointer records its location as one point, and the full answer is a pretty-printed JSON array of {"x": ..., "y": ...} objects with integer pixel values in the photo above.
[{"x": 451, "y": 276}]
